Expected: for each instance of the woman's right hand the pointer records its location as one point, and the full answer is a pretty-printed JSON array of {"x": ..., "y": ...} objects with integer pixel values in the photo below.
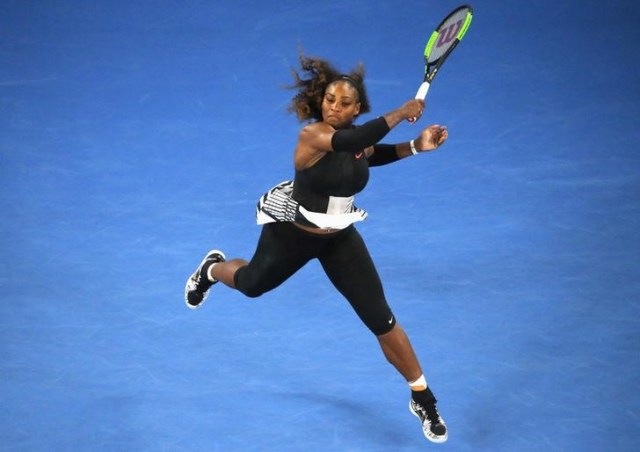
[{"x": 412, "y": 110}]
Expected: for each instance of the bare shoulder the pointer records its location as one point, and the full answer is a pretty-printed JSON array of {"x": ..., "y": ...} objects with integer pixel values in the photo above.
[
  {"x": 313, "y": 143},
  {"x": 315, "y": 129},
  {"x": 316, "y": 136}
]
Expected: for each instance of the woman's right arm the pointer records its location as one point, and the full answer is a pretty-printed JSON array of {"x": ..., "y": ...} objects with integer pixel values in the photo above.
[
  {"x": 317, "y": 138},
  {"x": 370, "y": 133}
]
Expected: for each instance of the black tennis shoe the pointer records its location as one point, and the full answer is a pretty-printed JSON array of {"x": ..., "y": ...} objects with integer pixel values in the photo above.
[
  {"x": 433, "y": 426},
  {"x": 197, "y": 288}
]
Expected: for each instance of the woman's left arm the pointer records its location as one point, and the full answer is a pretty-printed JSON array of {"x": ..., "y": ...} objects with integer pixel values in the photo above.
[{"x": 428, "y": 140}]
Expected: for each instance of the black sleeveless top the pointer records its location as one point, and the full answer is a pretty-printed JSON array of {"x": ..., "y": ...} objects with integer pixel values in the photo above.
[{"x": 336, "y": 174}]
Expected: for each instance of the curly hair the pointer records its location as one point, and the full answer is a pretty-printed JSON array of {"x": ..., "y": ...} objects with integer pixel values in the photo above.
[{"x": 307, "y": 103}]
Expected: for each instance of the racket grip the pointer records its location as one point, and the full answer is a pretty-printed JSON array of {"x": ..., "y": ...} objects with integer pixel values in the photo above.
[{"x": 422, "y": 91}]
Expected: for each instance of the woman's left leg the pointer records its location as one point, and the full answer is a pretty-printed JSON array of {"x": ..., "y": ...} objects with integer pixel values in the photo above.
[
  {"x": 398, "y": 350},
  {"x": 348, "y": 265}
]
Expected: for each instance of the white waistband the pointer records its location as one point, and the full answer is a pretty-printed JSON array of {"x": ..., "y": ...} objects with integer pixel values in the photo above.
[
  {"x": 277, "y": 205},
  {"x": 333, "y": 221},
  {"x": 338, "y": 205}
]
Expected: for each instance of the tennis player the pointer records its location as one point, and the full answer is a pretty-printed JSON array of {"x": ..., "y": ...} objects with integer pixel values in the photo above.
[{"x": 313, "y": 216}]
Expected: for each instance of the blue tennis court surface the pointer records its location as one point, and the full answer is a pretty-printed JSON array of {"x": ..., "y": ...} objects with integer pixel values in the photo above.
[{"x": 136, "y": 136}]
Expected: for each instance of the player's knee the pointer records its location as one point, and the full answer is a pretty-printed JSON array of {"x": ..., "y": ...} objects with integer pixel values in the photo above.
[
  {"x": 248, "y": 286},
  {"x": 382, "y": 324},
  {"x": 252, "y": 291}
]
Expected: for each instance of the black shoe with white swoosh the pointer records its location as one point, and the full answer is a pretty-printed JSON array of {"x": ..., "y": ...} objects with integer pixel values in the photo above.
[{"x": 197, "y": 288}]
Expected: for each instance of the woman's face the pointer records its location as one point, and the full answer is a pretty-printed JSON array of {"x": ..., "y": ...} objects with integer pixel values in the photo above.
[{"x": 340, "y": 104}]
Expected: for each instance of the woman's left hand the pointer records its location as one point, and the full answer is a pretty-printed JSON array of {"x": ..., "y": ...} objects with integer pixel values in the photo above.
[{"x": 431, "y": 137}]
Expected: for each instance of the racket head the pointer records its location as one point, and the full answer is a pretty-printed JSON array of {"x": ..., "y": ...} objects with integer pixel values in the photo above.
[{"x": 447, "y": 35}]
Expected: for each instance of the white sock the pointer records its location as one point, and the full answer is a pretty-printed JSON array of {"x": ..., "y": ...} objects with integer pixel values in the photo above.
[
  {"x": 209, "y": 274},
  {"x": 419, "y": 385}
]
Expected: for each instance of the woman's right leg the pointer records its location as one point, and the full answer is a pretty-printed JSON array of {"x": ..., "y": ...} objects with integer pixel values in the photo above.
[
  {"x": 226, "y": 271},
  {"x": 281, "y": 251}
]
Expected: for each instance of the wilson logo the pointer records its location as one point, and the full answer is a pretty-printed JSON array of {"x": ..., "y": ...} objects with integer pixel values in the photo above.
[{"x": 449, "y": 33}]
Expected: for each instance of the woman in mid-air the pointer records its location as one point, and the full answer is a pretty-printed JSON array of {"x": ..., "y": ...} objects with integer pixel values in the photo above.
[{"x": 313, "y": 216}]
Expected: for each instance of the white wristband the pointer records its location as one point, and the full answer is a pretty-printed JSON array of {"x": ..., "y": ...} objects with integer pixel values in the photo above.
[{"x": 414, "y": 151}]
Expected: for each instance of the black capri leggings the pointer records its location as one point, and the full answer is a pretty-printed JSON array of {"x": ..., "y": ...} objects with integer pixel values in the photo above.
[{"x": 283, "y": 249}]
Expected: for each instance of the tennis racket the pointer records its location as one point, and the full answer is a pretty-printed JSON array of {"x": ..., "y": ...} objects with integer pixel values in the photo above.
[{"x": 443, "y": 40}]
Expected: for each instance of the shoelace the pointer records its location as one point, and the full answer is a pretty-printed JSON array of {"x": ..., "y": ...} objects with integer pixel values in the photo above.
[
  {"x": 196, "y": 282},
  {"x": 430, "y": 413}
]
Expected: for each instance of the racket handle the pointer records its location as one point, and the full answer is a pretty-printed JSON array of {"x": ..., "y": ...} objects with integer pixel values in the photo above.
[
  {"x": 421, "y": 94},
  {"x": 422, "y": 91}
]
